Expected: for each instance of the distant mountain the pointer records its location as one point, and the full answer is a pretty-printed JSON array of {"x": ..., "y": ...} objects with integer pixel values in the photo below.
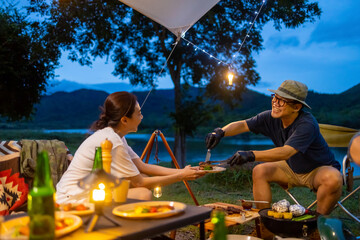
[
  {"x": 78, "y": 109},
  {"x": 70, "y": 86}
]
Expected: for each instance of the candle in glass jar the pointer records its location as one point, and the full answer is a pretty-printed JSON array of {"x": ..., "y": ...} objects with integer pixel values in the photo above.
[
  {"x": 157, "y": 192},
  {"x": 99, "y": 194}
]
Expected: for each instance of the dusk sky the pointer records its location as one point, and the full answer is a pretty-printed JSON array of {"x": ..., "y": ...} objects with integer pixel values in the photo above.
[{"x": 325, "y": 55}]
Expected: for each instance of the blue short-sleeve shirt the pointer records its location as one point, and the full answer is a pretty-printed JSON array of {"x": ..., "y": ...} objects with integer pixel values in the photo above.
[{"x": 303, "y": 135}]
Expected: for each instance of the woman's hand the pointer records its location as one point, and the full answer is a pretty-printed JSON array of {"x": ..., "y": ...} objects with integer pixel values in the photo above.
[{"x": 191, "y": 173}]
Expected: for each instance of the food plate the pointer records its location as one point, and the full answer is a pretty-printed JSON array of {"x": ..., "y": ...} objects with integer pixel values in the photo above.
[
  {"x": 131, "y": 210},
  {"x": 215, "y": 169},
  {"x": 8, "y": 228},
  {"x": 77, "y": 222},
  {"x": 71, "y": 209}
]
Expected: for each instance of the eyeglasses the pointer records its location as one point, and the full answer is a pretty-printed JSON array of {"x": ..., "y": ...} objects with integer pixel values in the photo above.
[{"x": 279, "y": 101}]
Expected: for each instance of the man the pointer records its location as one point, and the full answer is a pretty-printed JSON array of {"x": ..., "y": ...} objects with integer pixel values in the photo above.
[{"x": 301, "y": 156}]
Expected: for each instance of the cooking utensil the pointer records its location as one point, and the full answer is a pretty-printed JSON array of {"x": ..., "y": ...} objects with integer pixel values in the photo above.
[
  {"x": 217, "y": 161},
  {"x": 253, "y": 201},
  {"x": 221, "y": 163},
  {"x": 288, "y": 227},
  {"x": 208, "y": 155},
  {"x": 248, "y": 204}
]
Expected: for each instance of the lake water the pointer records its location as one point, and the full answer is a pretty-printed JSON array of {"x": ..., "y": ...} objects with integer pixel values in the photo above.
[{"x": 196, "y": 149}]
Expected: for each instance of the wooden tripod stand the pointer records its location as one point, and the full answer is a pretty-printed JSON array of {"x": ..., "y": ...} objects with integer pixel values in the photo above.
[{"x": 147, "y": 152}]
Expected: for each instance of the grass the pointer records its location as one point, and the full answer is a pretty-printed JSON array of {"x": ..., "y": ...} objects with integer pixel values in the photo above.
[
  {"x": 228, "y": 186},
  {"x": 232, "y": 185}
]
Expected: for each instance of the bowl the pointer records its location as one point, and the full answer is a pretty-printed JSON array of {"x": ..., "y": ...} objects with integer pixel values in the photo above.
[{"x": 246, "y": 205}]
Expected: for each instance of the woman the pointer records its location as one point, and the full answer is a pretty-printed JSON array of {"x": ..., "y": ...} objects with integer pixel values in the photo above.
[
  {"x": 121, "y": 114},
  {"x": 354, "y": 149}
]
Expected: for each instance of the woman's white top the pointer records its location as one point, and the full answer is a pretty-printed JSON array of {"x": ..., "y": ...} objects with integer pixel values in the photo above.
[{"x": 122, "y": 166}]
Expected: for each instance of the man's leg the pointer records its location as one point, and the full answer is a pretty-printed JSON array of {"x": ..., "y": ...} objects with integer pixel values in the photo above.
[
  {"x": 263, "y": 175},
  {"x": 328, "y": 183}
]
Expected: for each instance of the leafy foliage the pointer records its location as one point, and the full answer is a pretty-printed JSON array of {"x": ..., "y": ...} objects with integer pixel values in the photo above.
[
  {"x": 139, "y": 47},
  {"x": 27, "y": 60}
]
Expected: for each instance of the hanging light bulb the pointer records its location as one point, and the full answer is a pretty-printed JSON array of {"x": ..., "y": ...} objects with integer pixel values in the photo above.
[
  {"x": 157, "y": 192},
  {"x": 230, "y": 77}
]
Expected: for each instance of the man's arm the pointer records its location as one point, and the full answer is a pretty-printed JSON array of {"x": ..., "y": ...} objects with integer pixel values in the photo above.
[
  {"x": 235, "y": 128},
  {"x": 275, "y": 154}
]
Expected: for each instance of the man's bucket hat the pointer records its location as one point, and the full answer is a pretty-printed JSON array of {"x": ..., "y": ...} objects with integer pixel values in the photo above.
[{"x": 294, "y": 90}]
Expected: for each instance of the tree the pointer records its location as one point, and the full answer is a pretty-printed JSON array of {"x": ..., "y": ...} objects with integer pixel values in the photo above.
[
  {"x": 139, "y": 47},
  {"x": 27, "y": 61}
]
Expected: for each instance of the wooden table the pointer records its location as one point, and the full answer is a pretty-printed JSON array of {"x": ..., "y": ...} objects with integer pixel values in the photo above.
[
  {"x": 131, "y": 229},
  {"x": 234, "y": 219}
]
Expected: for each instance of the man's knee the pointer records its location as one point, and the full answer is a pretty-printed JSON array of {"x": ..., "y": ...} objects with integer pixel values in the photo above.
[
  {"x": 332, "y": 179},
  {"x": 335, "y": 181},
  {"x": 259, "y": 171}
]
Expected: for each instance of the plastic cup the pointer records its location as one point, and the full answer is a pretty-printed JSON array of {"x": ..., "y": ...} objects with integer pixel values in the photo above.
[{"x": 120, "y": 192}]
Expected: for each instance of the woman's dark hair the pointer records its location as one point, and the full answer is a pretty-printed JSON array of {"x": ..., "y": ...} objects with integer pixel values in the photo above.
[{"x": 116, "y": 106}]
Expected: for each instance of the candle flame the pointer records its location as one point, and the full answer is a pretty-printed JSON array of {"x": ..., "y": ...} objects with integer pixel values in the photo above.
[{"x": 99, "y": 194}]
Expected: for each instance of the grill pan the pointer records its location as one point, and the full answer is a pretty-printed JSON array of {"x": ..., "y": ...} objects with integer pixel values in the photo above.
[{"x": 287, "y": 227}]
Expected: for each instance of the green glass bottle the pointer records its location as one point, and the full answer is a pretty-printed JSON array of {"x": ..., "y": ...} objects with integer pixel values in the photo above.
[
  {"x": 98, "y": 164},
  {"x": 41, "y": 205},
  {"x": 220, "y": 230}
]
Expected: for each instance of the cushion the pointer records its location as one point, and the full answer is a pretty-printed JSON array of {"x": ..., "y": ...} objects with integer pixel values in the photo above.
[{"x": 13, "y": 191}]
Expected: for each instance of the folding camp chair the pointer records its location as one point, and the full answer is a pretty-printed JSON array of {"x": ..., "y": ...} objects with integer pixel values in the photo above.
[{"x": 348, "y": 181}]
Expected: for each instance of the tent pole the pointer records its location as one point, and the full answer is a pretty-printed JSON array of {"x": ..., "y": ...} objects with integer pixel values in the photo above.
[{"x": 177, "y": 166}]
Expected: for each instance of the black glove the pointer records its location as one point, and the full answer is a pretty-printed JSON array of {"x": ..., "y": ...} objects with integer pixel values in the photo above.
[
  {"x": 241, "y": 157},
  {"x": 212, "y": 139}
]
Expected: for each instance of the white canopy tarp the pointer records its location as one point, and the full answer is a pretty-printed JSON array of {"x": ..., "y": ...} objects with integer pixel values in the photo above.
[{"x": 176, "y": 15}]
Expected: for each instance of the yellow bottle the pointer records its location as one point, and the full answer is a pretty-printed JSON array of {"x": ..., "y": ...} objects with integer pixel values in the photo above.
[{"x": 106, "y": 147}]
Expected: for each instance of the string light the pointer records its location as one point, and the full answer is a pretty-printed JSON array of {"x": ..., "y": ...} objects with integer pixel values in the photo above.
[
  {"x": 211, "y": 56},
  {"x": 251, "y": 25},
  {"x": 203, "y": 50},
  {"x": 241, "y": 43},
  {"x": 230, "y": 77}
]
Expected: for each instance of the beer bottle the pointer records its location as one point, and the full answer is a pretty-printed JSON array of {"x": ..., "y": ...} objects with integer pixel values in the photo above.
[
  {"x": 98, "y": 164},
  {"x": 220, "y": 230},
  {"x": 41, "y": 205}
]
